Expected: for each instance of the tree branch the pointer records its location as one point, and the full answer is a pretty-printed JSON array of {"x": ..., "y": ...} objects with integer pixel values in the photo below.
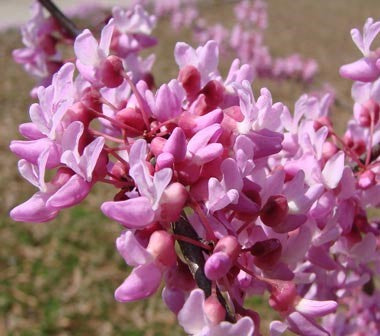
[
  {"x": 68, "y": 25},
  {"x": 194, "y": 258}
]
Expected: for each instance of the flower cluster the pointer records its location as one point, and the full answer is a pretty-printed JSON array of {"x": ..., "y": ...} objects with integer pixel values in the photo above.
[
  {"x": 245, "y": 38},
  {"x": 258, "y": 199}
]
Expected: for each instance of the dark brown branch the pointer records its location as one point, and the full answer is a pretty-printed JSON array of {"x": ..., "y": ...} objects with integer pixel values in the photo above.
[
  {"x": 67, "y": 25},
  {"x": 194, "y": 258},
  {"x": 192, "y": 254}
]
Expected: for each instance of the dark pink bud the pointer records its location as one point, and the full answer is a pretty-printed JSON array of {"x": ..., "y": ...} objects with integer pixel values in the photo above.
[
  {"x": 322, "y": 121},
  {"x": 214, "y": 94},
  {"x": 164, "y": 160},
  {"x": 80, "y": 112},
  {"x": 111, "y": 71},
  {"x": 217, "y": 265},
  {"x": 188, "y": 172},
  {"x": 172, "y": 202},
  {"x": 274, "y": 211},
  {"x": 174, "y": 299},
  {"x": 357, "y": 145},
  {"x": 214, "y": 310},
  {"x": 283, "y": 296},
  {"x": 161, "y": 246},
  {"x": 48, "y": 43},
  {"x": 119, "y": 170},
  {"x": 62, "y": 176},
  {"x": 133, "y": 118},
  {"x": 228, "y": 245},
  {"x": 157, "y": 145},
  {"x": 91, "y": 99},
  {"x": 179, "y": 276},
  {"x": 100, "y": 170},
  {"x": 190, "y": 78},
  {"x": 267, "y": 252}
]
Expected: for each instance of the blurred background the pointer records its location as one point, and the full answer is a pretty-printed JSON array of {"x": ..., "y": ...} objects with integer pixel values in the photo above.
[{"x": 58, "y": 278}]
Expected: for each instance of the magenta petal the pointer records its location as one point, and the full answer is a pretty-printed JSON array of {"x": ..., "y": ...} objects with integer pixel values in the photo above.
[
  {"x": 301, "y": 325},
  {"x": 34, "y": 210},
  {"x": 277, "y": 328},
  {"x": 131, "y": 250},
  {"x": 30, "y": 131},
  {"x": 290, "y": 223},
  {"x": 314, "y": 308},
  {"x": 31, "y": 150},
  {"x": 72, "y": 192},
  {"x": 318, "y": 256},
  {"x": 217, "y": 265},
  {"x": 134, "y": 213},
  {"x": 141, "y": 283},
  {"x": 176, "y": 144},
  {"x": 363, "y": 70}
]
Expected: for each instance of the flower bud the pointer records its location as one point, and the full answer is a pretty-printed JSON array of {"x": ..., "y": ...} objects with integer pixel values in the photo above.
[
  {"x": 131, "y": 117},
  {"x": 274, "y": 211},
  {"x": 217, "y": 265},
  {"x": 174, "y": 299},
  {"x": 228, "y": 245},
  {"x": 214, "y": 310},
  {"x": 190, "y": 78},
  {"x": 214, "y": 94},
  {"x": 161, "y": 247},
  {"x": 283, "y": 296},
  {"x": 172, "y": 202},
  {"x": 111, "y": 71},
  {"x": 157, "y": 145},
  {"x": 266, "y": 253}
]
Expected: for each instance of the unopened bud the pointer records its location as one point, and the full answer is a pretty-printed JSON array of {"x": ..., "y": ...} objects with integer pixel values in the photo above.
[
  {"x": 131, "y": 117},
  {"x": 214, "y": 310},
  {"x": 217, "y": 265},
  {"x": 161, "y": 246},
  {"x": 266, "y": 253},
  {"x": 111, "y": 71},
  {"x": 274, "y": 211},
  {"x": 190, "y": 78},
  {"x": 283, "y": 296},
  {"x": 172, "y": 202}
]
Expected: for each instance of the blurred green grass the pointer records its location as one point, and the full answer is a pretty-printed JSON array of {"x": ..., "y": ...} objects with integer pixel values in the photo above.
[{"x": 58, "y": 278}]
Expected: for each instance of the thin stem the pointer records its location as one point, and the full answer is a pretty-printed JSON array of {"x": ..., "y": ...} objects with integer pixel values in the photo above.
[
  {"x": 210, "y": 233},
  {"x": 67, "y": 25},
  {"x": 192, "y": 241},
  {"x": 371, "y": 129},
  {"x": 106, "y": 136},
  {"x": 115, "y": 122},
  {"x": 139, "y": 100}
]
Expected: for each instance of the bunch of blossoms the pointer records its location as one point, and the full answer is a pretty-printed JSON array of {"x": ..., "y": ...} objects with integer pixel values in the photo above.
[
  {"x": 221, "y": 196},
  {"x": 43, "y": 35},
  {"x": 246, "y": 40}
]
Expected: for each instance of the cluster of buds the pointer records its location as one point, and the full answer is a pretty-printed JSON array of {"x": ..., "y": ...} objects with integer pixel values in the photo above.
[{"x": 257, "y": 199}]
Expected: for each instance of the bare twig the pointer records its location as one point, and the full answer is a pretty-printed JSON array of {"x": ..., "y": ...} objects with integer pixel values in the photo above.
[
  {"x": 68, "y": 26},
  {"x": 193, "y": 255}
]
